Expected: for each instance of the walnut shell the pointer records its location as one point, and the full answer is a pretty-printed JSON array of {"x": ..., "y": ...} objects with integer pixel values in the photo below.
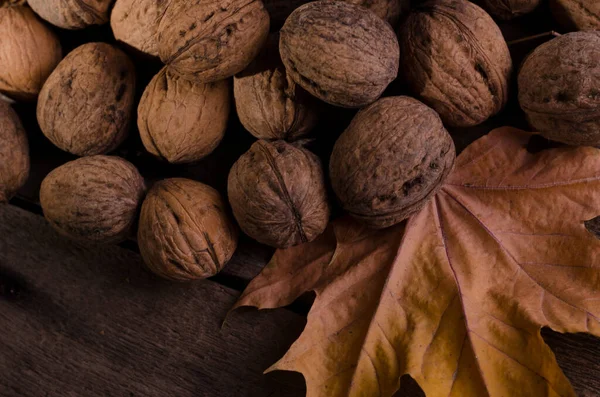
[
  {"x": 14, "y": 153},
  {"x": 30, "y": 51},
  {"x": 339, "y": 52},
  {"x": 278, "y": 195},
  {"x": 85, "y": 105},
  {"x": 185, "y": 232},
  {"x": 268, "y": 102},
  {"x": 183, "y": 121},
  {"x": 212, "y": 40},
  {"x": 390, "y": 10},
  {"x": 72, "y": 14},
  {"x": 384, "y": 175},
  {"x": 509, "y": 9},
  {"x": 577, "y": 14},
  {"x": 135, "y": 23},
  {"x": 559, "y": 88},
  {"x": 456, "y": 60},
  {"x": 93, "y": 198}
]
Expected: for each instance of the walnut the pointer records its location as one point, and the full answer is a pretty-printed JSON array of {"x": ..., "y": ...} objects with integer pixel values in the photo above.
[
  {"x": 268, "y": 102},
  {"x": 135, "y": 23},
  {"x": 509, "y": 9},
  {"x": 72, "y": 14},
  {"x": 456, "y": 60},
  {"x": 30, "y": 51},
  {"x": 212, "y": 40},
  {"x": 390, "y": 10},
  {"x": 93, "y": 198},
  {"x": 577, "y": 14},
  {"x": 278, "y": 195},
  {"x": 559, "y": 88},
  {"x": 185, "y": 232},
  {"x": 85, "y": 105},
  {"x": 183, "y": 121},
  {"x": 339, "y": 52},
  {"x": 14, "y": 153},
  {"x": 384, "y": 175}
]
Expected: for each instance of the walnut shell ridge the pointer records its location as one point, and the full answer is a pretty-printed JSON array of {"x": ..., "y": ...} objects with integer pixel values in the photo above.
[
  {"x": 14, "y": 153},
  {"x": 72, "y": 14},
  {"x": 278, "y": 195},
  {"x": 509, "y": 9},
  {"x": 269, "y": 103},
  {"x": 93, "y": 198},
  {"x": 385, "y": 174},
  {"x": 185, "y": 232},
  {"x": 577, "y": 14},
  {"x": 559, "y": 88},
  {"x": 30, "y": 51},
  {"x": 85, "y": 105},
  {"x": 135, "y": 23},
  {"x": 455, "y": 59},
  {"x": 212, "y": 40},
  {"x": 341, "y": 53},
  {"x": 180, "y": 120}
]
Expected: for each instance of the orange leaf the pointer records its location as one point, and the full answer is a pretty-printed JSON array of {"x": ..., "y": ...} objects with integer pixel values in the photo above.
[{"x": 457, "y": 301}]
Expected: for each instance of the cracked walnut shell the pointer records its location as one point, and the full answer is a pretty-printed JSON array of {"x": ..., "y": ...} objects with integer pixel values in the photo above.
[
  {"x": 392, "y": 158},
  {"x": 185, "y": 232},
  {"x": 14, "y": 153},
  {"x": 72, "y": 14}
]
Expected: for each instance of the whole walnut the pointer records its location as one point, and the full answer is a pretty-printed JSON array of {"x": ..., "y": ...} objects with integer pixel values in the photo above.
[
  {"x": 456, "y": 60},
  {"x": 93, "y": 198},
  {"x": 384, "y": 175},
  {"x": 183, "y": 121},
  {"x": 185, "y": 232},
  {"x": 14, "y": 153},
  {"x": 390, "y": 10},
  {"x": 278, "y": 195},
  {"x": 135, "y": 23},
  {"x": 85, "y": 105},
  {"x": 339, "y": 52},
  {"x": 559, "y": 88},
  {"x": 212, "y": 40},
  {"x": 30, "y": 51},
  {"x": 72, "y": 14},
  {"x": 509, "y": 9},
  {"x": 577, "y": 14},
  {"x": 268, "y": 102}
]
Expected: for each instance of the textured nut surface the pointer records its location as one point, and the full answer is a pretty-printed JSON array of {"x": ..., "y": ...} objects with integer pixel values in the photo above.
[
  {"x": 456, "y": 60},
  {"x": 212, "y": 40},
  {"x": 72, "y": 14},
  {"x": 183, "y": 121},
  {"x": 14, "y": 153},
  {"x": 577, "y": 14},
  {"x": 269, "y": 103},
  {"x": 278, "y": 195},
  {"x": 509, "y": 9},
  {"x": 184, "y": 231},
  {"x": 391, "y": 159},
  {"x": 390, "y": 10},
  {"x": 135, "y": 23},
  {"x": 93, "y": 198},
  {"x": 85, "y": 105},
  {"x": 339, "y": 52},
  {"x": 28, "y": 53},
  {"x": 559, "y": 88}
]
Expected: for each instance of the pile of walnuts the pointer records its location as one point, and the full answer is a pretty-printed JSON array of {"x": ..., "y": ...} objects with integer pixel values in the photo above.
[{"x": 279, "y": 65}]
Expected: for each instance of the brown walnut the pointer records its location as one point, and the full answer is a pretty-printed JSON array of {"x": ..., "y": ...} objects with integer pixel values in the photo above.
[
  {"x": 559, "y": 88},
  {"x": 278, "y": 195},
  {"x": 509, "y": 9},
  {"x": 268, "y": 102},
  {"x": 212, "y": 40},
  {"x": 185, "y": 232},
  {"x": 30, "y": 51},
  {"x": 577, "y": 14},
  {"x": 14, "y": 153},
  {"x": 85, "y": 105},
  {"x": 72, "y": 14},
  {"x": 93, "y": 198},
  {"x": 135, "y": 23},
  {"x": 456, "y": 60},
  {"x": 183, "y": 121},
  {"x": 339, "y": 52},
  {"x": 390, "y": 10},
  {"x": 385, "y": 174}
]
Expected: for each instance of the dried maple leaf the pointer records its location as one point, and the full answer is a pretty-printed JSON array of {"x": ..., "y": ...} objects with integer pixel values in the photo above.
[{"x": 457, "y": 298}]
